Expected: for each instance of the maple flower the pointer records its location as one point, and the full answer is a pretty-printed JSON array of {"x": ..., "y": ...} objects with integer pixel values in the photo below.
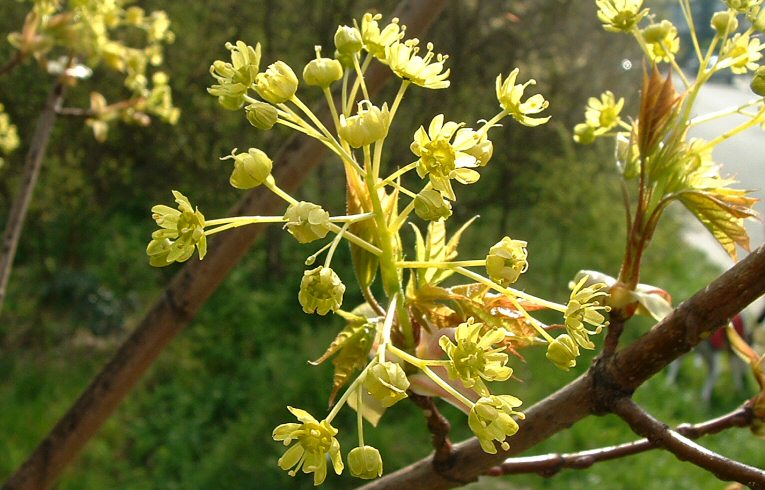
[
  {"x": 365, "y": 462},
  {"x": 307, "y": 221},
  {"x": 473, "y": 357},
  {"x": 376, "y": 40},
  {"x": 387, "y": 382},
  {"x": 742, "y": 53},
  {"x": 509, "y": 96},
  {"x": 507, "y": 260},
  {"x": 321, "y": 291},
  {"x": 314, "y": 441},
  {"x": 662, "y": 41},
  {"x": 584, "y": 306},
  {"x": 491, "y": 419},
  {"x": 620, "y": 15},
  {"x": 370, "y": 124},
  {"x": 562, "y": 352},
  {"x": 603, "y": 114},
  {"x": 180, "y": 231},
  {"x": 403, "y": 59},
  {"x": 442, "y": 158}
]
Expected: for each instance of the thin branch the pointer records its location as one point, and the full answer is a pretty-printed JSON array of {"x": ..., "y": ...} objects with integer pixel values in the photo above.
[
  {"x": 81, "y": 112},
  {"x": 684, "y": 448},
  {"x": 9, "y": 65},
  {"x": 439, "y": 428},
  {"x": 185, "y": 296},
  {"x": 548, "y": 465},
  {"x": 32, "y": 165}
]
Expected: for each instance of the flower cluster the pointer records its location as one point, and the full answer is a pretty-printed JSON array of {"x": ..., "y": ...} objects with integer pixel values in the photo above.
[
  {"x": 181, "y": 230},
  {"x": 9, "y": 136}
]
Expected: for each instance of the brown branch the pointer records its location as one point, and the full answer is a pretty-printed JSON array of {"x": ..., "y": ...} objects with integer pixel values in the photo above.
[
  {"x": 186, "y": 294},
  {"x": 684, "y": 448},
  {"x": 439, "y": 427},
  {"x": 117, "y": 106},
  {"x": 9, "y": 65},
  {"x": 621, "y": 374},
  {"x": 32, "y": 165},
  {"x": 548, "y": 465}
]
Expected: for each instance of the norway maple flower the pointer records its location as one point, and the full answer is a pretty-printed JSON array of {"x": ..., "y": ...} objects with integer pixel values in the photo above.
[
  {"x": 181, "y": 230},
  {"x": 236, "y": 77},
  {"x": 584, "y": 307},
  {"x": 474, "y": 358},
  {"x": 662, "y": 41},
  {"x": 404, "y": 60},
  {"x": 314, "y": 442},
  {"x": 620, "y": 15},
  {"x": 509, "y": 96},
  {"x": 562, "y": 352},
  {"x": 741, "y": 54},
  {"x": 443, "y": 159},
  {"x": 603, "y": 113},
  {"x": 492, "y": 419},
  {"x": 375, "y": 40},
  {"x": 507, "y": 260},
  {"x": 321, "y": 291}
]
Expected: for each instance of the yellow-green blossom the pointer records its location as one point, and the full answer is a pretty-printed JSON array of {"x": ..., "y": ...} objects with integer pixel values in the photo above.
[
  {"x": 492, "y": 418},
  {"x": 348, "y": 40},
  {"x": 376, "y": 40},
  {"x": 509, "y": 96},
  {"x": 741, "y": 54},
  {"x": 386, "y": 382},
  {"x": 403, "y": 59},
  {"x": 620, "y": 15},
  {"x": 251, "y": 169},
  {"x": 322, "y": 72},
  {"x": 430, "y": 205},
  {"x": 277, "y": 84},
  {"x": 236, "y": 77},
  {"x": 262, "y": 115},
  {"x": 584, "y": 134},
  {"x": 442, "y": 159},
  {"x": 321, "y": 291},
  {"x": 603, "y": 114},
  {"x": 314, "y": 441},
  {"x": 473, "y": 356},
  {"x": 307, "y": 221},
  {"x": 757, "y": 85},
  {"x": 743, "y": 6},
  {"x": 584, "y": 307},
  {"x": 370, "y": 124},
  {"x": 180, "y": 231},
  {"x": 724, "y": 22},
  {"x": 662, "y": 41},
  {"x": 9, "y": 136},
  {"x": 507, "y": 260},
  {"x": 365, "y": 462},
  {"x": 562, "y": 352}
]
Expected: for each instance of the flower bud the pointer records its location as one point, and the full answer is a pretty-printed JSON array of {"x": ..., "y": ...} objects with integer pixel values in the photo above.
[
  {"x": 322, "y": 71},
  {"x": 262, "y": 115},
  {"x": 348, "y": 40},
  {"x": 431, "y": 206},
  {"x": 366, "y": 127},
  {"x": 491, "y": 419},
  {"x": 759, "y": 22},
  {"x": 307, "y": 221},
  {"x": 482, "y": 151},
  {"x": 724, "y": 21},
  {"x": 387, "y": 383},
  {"x": 321, "y": 291},
  {"x": 584, "y": 134},
  {"x": 251, "y": 169},
  {"x": 507, "y": 260},
  {"x": 277, "y": 84},
  {"x": 758, "y": 82},
  {"x": 563, "y": 352},
  {"x": 365, "y": 462},
  {"x": 658, "y": 32}
]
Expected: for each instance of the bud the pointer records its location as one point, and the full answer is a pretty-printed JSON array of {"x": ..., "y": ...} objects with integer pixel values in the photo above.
[
  {"x": 431, "y": 206},
  {"x": 307, "y": 221},
  {"x": 758, "y": 82},
  {"x": 262, "y": 115},
  {"x": 322, "y": 71},
  {"x": 563, "y": 352},
  {"x": 370, "y": 124},
  {"x": 134, "y": 15},
  {"x": 584, "y": 134},
  {"x": 507, "y": 261},
  {"x": 348, "y": 40},
  {"x": 277, "y": 84},
  {"x": 759, "y": 22},
  {"x": 321, "y": 291},
  {"x": 724, "y": 21},
  {"x": 482, "y": 151},
  {"x": 387, "y": 383},
  {"x": 365, "y": 462},
  {"x": 658, "y": 32},
  {"x": 251, "y": 169}
]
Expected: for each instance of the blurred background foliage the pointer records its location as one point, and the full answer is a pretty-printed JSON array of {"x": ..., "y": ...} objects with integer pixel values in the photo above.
[{"x": 203, "y": 416}]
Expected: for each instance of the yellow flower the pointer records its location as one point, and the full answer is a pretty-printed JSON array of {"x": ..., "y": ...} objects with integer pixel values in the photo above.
[
  {"x": 603, "y": 114},
  {"x": 387, "y": 383},
  {"x": 442, "y": 159},
  {"x": 584, "y": 306},
  {"x": 662, "y": 41},
  {"x": 403, "y": 59},
  {"x": 741, "y": 54},
  {"x": 315, "y": 440},
  {"x": 277, "y": 84},
  {"x": 620, "y": 15},
  {"x": 492, "y": 419},
  {"x": 562, "y": 352},
  {"x": 506, "y": 260},
  {"x": 180, "y": 231},
  {"x": 509, "y": 96},
  {"x": 307, "y": 221},
  {"x": 473, "y": 356},
  {"x": 370, "y": 124},
  {"x": 365, "y": 462},
  {"x": 9, "y": 136},
  {"x": 375, "y": 40},
  {"x": 321, "y": 291}
]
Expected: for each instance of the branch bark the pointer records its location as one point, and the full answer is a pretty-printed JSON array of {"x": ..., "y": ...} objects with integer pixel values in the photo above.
[
  {"x": 685, "y": 449},
  {"x": 186, "y": 294},
  {"x": 550, "y": 464},
  {"x": 619, "y": 375},
  {"x": 32, "y": 165}
]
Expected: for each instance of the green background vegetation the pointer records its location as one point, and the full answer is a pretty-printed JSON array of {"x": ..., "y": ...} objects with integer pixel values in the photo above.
[{"x": 202, "y": 417}]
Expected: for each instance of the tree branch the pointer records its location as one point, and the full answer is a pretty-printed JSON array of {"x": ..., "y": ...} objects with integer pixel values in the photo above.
[
  {"x": 548, "y": 465},
  {"x": 9, "y": 65},
  {"x": 616, "y": 376},
  {"x": 685, "y": 449},
  {"x": 186, "y": 294}
]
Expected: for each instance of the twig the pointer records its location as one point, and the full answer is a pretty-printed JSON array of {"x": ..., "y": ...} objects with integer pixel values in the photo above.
[
  {"x": 685, "y": 449},
  {"x": 185, "y": 296},
  {"x": 32, "y": 165},
  {"x": 548, "y": 465},
  {"x": 117, "y": 106},
  {"x": 9, "y": 65},
  {"x": 439, "y": 428}
]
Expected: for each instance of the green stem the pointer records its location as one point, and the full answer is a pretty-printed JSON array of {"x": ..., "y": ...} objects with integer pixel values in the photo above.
[
  {"x": 333, "y": 247},
  {"x": 359, "y": 416},
  {"x": 399, "y": 97},
  {"x": 356, "y": 240},
  {"x": 733, "y": 132},
  {"x": 398, "y": 173},
  {"x": 271, "y": 184},
  {"x": 356, "y": 382}
]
